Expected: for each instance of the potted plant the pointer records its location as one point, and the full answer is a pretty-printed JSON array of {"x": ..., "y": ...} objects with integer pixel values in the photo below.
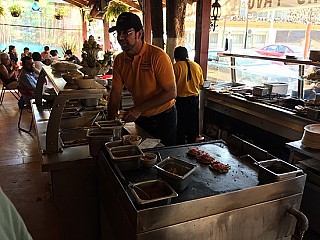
[
  {"x": 115, "y": 9},
  {"x": 15, "y": 10},
  {"x": 60, "y": 13}
]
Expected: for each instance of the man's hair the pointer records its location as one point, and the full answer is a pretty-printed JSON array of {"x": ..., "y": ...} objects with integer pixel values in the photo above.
[
  {"x": 53, "y": 52},
  {"x": 36, "y": 56},
  {"x": 25, "y": 59},
  {"x": 46, "y": 48},
  {"x": 69, "y": 52},
  {"x": 26, "y": 48}
]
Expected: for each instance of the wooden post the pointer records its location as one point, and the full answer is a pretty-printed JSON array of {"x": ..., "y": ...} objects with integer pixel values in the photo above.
[
  {"x": 202, "y": 34},
  {"x": 106, "y": 37},
  {"x": 147, "y": 21}
]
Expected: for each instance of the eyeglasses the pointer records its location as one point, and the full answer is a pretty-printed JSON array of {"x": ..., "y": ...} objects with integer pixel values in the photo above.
[{"x": 123, "y": 34}]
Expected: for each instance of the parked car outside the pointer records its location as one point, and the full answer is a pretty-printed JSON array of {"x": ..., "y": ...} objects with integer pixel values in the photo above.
[{"x": 281, "y": 50}]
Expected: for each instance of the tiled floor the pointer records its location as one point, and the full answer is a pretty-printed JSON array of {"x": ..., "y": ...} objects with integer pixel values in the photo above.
[
  {"x": 23, "y": 181},
  {"x": 21, "y": 177}
]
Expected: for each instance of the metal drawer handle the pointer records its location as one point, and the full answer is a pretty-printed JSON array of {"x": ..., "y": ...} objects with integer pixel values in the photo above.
[{"x": 302, "y": 221}]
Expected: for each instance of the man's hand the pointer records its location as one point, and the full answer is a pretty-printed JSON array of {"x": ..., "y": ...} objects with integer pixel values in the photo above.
[{"x": 132, "y": 114}]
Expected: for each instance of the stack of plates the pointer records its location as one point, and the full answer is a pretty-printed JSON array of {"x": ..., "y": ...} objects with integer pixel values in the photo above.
[{"x": 311, "y": 136}]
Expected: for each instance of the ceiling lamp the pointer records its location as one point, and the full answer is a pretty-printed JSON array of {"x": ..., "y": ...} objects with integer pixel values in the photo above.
[
  {"x": 35, "y": 6},
  {"x": 216, "y": 14}
]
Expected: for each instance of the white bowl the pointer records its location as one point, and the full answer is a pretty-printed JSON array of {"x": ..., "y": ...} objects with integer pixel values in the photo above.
[
  {"x": 84, "y": 82},
  {"x": 132, "y": 139},
  {"x": 311, "y": 136},
  {"x": 149, "y": 159}
]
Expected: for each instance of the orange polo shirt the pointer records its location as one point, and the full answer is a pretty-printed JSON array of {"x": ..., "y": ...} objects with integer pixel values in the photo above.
[
  {"x": 192, "y": 87},
  {"x": 142, "y": 75}
]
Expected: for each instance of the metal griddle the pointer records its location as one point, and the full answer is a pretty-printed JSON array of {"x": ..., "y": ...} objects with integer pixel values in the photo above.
[{"x": 205, "y": 182}]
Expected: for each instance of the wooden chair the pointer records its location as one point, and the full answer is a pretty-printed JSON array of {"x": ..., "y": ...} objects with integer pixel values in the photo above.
[{"x": 5, "y": 88}]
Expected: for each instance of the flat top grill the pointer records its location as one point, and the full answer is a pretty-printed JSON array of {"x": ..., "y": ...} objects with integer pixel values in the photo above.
[{"x": 205, "y": 182}]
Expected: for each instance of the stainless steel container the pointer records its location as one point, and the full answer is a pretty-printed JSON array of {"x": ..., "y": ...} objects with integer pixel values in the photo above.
[
  {"x": 126, "y": 157},
  {"x": 260, "y": 91},
  {"x": 96, "y": 138},
  {"x": 176, "y": 172},
  {"x": 275, "y": 170},
  {"x": 115, "y": 125},
  {"x": 277, "y": 88},
  {"x": 152, "y": 191}
]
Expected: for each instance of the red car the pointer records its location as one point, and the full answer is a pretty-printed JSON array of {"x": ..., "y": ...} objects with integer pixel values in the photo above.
[{"x": 279, "y": 50}]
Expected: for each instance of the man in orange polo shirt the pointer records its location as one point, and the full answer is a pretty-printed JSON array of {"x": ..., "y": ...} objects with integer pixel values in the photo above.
[{"x": 147, "y": 72}]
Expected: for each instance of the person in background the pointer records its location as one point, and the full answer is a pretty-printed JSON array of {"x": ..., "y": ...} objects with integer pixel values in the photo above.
[
  {"x": 12, "y": 225},
  {"x": 27, "y": 80},
  {"x": 70, "y": 57},
  {"x": 8, "y": 70},
  {"x": 54, "y": 55},
  {"x": 36, "y": 56},
  {"x": 26, "y": 52},
  {"x": 13, "y": 53},
  {"x": 45, "y": 53},
  {"x": 189, "y": 78},
  {"x": 147, "y": 72}
]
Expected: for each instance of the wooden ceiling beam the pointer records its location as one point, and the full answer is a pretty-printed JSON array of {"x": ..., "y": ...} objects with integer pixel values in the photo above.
[
  {"x": 78, "y": 3},
  {"x": 130, "y": 3}
]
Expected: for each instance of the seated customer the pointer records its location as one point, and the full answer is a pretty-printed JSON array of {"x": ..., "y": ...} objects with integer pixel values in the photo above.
[
  {"x": 70, "y": 57},
  {"x": 37, "y": 62},
  {"x": 54, "y": 55},
  {"x": 8, "y": 70},
  {"x": 27, "y": 80},
  {"x": 26, "y": 52}
]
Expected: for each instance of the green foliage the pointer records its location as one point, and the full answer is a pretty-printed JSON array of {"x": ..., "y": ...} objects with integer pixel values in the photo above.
[
  {"x": 1, "y": 11},
  {"x": 15, "y": 9},
  {"x": 69, "y": 45},
  {"x": 114, "y": 9},
  {"x": 62, "y": 11}
]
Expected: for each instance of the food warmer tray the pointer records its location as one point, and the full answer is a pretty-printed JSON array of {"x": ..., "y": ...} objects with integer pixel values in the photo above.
[{"x": 205, "y": 182}]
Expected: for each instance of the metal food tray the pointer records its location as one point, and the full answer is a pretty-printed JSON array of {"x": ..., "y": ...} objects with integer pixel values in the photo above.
[
  {"x": 144, "y": 192},
  {"x": 125, "y": 152},
  {"x": 179, "y": 180},
  {"x": 112, "y": 124},
  {"x": 276, "y": 170}
]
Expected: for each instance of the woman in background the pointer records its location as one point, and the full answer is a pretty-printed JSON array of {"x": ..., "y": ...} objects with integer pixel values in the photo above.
[
  {"x": 8, "y": 70},
  {"x": 189, "y": 78},
  {"x": 13, "y": 53}
]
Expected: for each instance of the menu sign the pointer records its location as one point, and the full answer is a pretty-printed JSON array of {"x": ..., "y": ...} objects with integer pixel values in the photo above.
[{"x": 266, "y": 5}]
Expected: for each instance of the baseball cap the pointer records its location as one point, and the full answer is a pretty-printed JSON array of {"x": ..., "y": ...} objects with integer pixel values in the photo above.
[{"x": 127, "y": 20}]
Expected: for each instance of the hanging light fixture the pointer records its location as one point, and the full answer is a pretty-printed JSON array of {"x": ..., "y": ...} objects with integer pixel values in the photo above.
[
  {"x": 216, "y": 14},
  {"x": 35, "y": 6}
]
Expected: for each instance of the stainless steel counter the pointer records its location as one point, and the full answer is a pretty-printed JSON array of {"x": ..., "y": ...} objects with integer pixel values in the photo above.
[
  {"x": 276, "y": 120},
  {"x": 226, "y": 206}
]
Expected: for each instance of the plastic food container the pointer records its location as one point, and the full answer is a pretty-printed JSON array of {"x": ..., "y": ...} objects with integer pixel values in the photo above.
[
  {"x": 97, "y": 137},
  {"x": 176, "y": 172},
  {"x": 275, "y": 170},
  {"x": 152, "y": 191}
]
